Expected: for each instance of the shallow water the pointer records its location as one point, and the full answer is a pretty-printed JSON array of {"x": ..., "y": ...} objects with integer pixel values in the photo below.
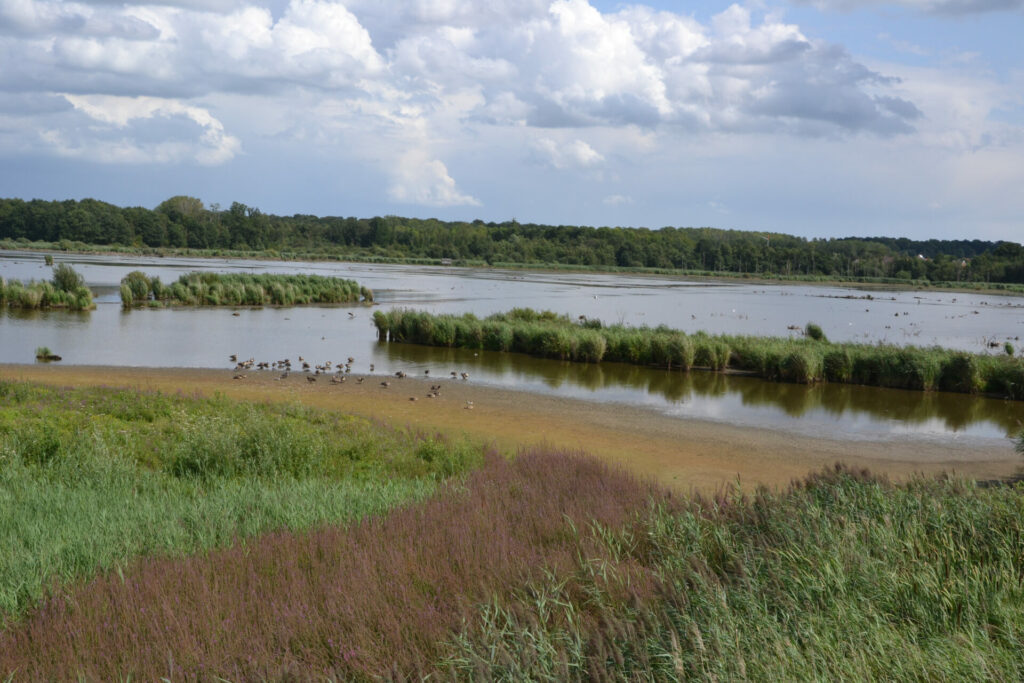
[{"x": 205, "y": 337}]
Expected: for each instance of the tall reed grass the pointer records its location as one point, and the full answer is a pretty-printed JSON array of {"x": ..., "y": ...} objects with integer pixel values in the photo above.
[
  {"x": 234, "y": 289},
  {"x": 553, "y": 567},
  {"x": 377, "y": 600},
  {"x": 90, "y": 479},
  {"x": 805, "y": 360},
  {"x": 66, "y": 290}
]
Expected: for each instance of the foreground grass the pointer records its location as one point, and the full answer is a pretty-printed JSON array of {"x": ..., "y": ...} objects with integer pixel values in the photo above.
[
  {"x": 806, "y": 360},
  {"x": 553, "y": 567},
  {"x": 843, "y": 577},
  {"x": 236, "y": 289},
  {"x": 91, "y": 479}
]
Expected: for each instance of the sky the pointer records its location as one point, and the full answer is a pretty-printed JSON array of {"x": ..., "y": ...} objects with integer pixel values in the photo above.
[{"x": 820, "y": 118}]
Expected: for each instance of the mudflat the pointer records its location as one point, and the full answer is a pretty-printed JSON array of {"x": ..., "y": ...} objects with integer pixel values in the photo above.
[{"x": 687, "y": 454}]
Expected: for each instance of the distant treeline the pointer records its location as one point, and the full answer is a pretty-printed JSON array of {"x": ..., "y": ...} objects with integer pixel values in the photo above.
[{"x": 185, "y": 223}]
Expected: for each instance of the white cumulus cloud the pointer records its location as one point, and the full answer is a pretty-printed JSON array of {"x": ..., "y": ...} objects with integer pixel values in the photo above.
[
  {"x": 118, "y": 139},
  {"x": 417, "y": 179},
  {"x": 573, "y": 154}
]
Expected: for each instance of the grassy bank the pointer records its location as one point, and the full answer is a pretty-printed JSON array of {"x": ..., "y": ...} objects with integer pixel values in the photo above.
[
  {"x": 90, "y": 479},
  {"x": 804, "y": 360},
  {"x": 216, "y": 289},
  {"x": 553, "y": 567},
  {"x": 66, "y": 289}
]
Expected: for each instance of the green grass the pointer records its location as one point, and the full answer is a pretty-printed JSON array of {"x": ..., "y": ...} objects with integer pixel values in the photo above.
[
  {"x": 218, "y": 289},
  {"x": 842, "y": 577},
  {"x": 92, "y": 478},
  {"x": 506, "y": 575},
  {"x": 803, "y": 360},
  {"x": 66, "y": 290}
]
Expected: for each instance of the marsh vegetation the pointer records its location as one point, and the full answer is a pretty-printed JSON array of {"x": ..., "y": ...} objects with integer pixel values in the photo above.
[
  {"x": 808, "y": 359},
  {"x": 218, "y": 289},
  {"x": 66, "y": 289}
]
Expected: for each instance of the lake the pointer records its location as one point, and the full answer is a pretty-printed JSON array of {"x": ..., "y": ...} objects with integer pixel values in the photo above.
[{"x": 205, "y": 337}]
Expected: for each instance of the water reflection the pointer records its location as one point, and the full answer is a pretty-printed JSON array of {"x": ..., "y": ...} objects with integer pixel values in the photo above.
[
  {"x": 850, "y": 411},
  {"x": 55, "y": 317}
]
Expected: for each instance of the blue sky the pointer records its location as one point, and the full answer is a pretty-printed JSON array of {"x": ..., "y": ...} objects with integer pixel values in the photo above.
[{"x": 818, "y": 117}]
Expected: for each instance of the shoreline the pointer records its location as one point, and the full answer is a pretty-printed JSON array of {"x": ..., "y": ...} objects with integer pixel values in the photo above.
[
  {"x": 1009, "y": 289},
  {"x": 684, "y": 453}
]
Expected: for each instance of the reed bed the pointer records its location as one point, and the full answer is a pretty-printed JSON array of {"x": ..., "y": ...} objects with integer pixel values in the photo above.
[
  {"x": 65, "y": 290},
  {"x": 553, "y": 567},
  {"x": 805, "y": 360},
  {"x": 91, "y": 479},
  {"x": 217, "y": 289}
]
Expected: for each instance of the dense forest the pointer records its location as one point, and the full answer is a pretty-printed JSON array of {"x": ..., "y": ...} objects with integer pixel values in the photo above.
[{"x": 186, "y": 223}]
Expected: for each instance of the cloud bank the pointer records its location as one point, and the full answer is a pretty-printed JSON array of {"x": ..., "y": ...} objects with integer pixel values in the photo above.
[{"x": 422, "y": 90}]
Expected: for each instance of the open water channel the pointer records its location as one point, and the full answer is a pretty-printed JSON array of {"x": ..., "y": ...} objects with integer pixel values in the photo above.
[{"x": 205, "y": 337}]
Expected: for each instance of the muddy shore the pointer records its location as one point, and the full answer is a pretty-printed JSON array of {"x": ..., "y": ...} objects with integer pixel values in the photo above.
[{"x": 684, "y": 453}]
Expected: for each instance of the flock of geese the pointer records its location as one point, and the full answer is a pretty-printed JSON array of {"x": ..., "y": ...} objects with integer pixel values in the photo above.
[{"x": 338, "y": 372}]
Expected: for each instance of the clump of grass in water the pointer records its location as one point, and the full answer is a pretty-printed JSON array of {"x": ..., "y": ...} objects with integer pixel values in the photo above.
[
  {"x": 65, "y": 290},
  {"x": 235, "y": 289},
  {"x": 814, "y": 331},
  {"x": 44, "y": 353},
  {"x": 66, "y": 278}
]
